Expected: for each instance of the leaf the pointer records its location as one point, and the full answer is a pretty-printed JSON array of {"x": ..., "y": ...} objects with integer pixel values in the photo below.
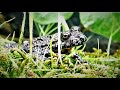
[
  {"x": 49, "y": 17},
  {"x": 103, "y": 23}
]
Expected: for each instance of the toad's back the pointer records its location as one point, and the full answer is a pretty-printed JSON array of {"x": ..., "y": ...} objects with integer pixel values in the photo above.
[{"x": 41, "y": 45}]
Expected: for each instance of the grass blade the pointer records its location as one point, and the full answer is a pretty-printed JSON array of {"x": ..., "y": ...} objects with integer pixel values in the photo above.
[
  {"x": 22, "y": 30},
  {"x": 48, "y": 28},
  {"x": 31, "y": 30},
  {"x": 8, "y": 36},
  {"x": 59, "y": 35},
  {"x": 43, "y": 33},
  {"x": 110, "y": 39},
  {"x": 13, "y": 36},
  {"x": 98, "y": 45},
  {"x": 38, "y": 29},
  {"x": 6, "y": 22},
  {"x": 64, "y": 24},
  {"x": 52, "y": 30}
]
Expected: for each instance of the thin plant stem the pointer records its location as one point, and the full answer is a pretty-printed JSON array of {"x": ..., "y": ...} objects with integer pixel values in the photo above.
[
  {"x": 109, "y": 44},
  {"x": 98, "y": 45},
  {"x": 38, "y": 29},
  {"x": 48, "y": 28},
  {"x": 6, "y": 21},
  {"x": 31, "y": 30},
  {"x": 41, "y": 29},
  {"x": 22, "y": 30},
  {"x": 51, "y": 31},
  {"x": 87, "y": 41},
  {"x": 8, "y": 36},
  {"x": 64, "y": 24},
  {"x": 110, "y": 39},
  {"x": 13, "y": 36},
  {"x": 59, "y": 35}
]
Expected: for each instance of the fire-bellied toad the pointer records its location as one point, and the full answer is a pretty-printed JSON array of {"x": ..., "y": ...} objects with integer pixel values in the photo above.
[{"x": 41, "y": 45}]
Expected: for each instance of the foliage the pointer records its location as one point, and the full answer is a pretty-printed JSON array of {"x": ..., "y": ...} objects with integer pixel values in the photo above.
[
  {"x": 15, "y": 63},
  {"x": 103, "y": 23},
  {"x": 50, "y": 17},
  {"x": 45, "y": 22}
]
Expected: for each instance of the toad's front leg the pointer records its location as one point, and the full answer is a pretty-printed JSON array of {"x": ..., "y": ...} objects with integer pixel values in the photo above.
[{"x": 78, "y": 57}]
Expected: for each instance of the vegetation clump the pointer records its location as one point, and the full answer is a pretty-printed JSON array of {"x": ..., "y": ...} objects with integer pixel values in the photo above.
[{"x": 16, "y": 64}]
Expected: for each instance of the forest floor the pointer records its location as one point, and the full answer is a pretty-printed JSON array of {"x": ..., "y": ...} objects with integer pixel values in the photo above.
[{"x": 17, "y": 64}]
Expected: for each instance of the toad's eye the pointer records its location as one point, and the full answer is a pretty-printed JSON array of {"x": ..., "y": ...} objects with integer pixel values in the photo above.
[
  {"x": 65, "y": 36},
  {"x": 72, "y": 29}
]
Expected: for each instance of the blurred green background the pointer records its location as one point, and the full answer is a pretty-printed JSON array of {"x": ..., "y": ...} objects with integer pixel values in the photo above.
[{"x": 99, "y": 25}]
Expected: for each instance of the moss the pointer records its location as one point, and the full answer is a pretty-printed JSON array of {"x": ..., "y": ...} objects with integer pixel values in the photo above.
[{"x": 16, "y": 64}]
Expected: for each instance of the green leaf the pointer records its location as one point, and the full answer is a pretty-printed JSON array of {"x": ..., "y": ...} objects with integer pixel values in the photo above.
[
  {"x": 103, "y": 23},
  {"x": 49, "y": 17}
]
